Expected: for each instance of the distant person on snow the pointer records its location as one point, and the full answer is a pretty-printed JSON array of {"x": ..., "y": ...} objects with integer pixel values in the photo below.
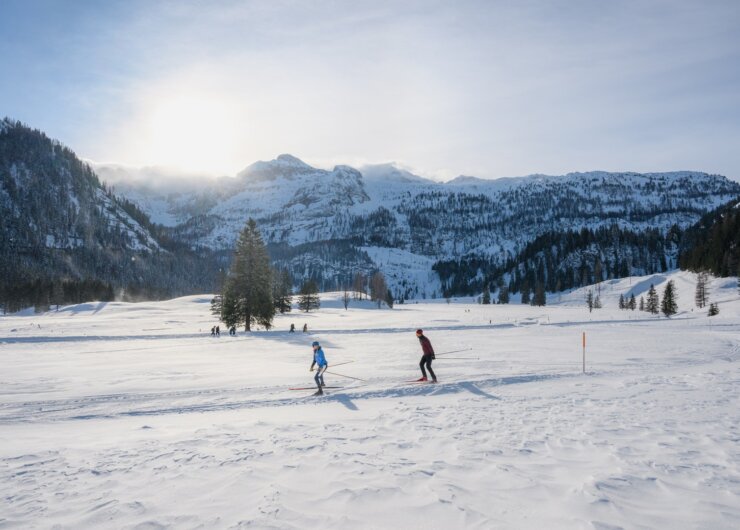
[
  {"x": 320, "y": 360},
  {"x": 232, "y": 330},
  {"x": 305, "y": 328},
  {"x": 218, "y": 331},
  {"x": 292, "y": 328},
  {"x": 427, "y": 356},
  {"x": 213, "y": 331}
]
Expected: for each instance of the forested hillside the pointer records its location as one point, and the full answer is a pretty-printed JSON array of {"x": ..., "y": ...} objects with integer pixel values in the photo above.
[{"x": 65, "y": 236}]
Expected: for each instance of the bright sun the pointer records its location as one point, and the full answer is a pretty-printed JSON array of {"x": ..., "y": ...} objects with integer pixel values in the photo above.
[{"x": 191, "y": 132}]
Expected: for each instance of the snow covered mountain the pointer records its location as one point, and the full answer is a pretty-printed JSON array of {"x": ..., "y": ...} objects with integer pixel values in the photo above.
[
  {"x": 330, "y": 224},
  {"x": 59, "y": 223}
]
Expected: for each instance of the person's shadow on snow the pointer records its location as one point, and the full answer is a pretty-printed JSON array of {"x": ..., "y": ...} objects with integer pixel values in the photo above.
[{"x": 470, "y": 387}]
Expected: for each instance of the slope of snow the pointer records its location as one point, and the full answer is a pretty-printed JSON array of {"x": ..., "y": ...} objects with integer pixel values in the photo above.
[{"x": 132, "y": 416}]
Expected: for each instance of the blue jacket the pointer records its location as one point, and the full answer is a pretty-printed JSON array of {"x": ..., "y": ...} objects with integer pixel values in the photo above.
[{"x": 318, "y": 357}]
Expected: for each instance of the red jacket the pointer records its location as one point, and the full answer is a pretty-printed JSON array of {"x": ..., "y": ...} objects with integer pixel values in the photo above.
[{"x": 426, "y": 345}]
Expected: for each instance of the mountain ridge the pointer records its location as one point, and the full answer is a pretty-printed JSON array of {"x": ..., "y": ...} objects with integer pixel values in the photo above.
[{"x": 389, "y": 215}]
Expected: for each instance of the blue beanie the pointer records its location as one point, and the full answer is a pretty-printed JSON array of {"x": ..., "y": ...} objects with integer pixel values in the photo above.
[{"x": 315, "y": 343}]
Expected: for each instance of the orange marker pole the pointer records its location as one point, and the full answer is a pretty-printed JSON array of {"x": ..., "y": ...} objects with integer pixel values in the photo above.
[{"x": 584, "y": 352}]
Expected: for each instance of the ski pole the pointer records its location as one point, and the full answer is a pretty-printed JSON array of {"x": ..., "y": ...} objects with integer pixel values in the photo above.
[
  {"x": 455, "y": 351},
  {"x": 340, "y": 364},
  {"x": 459, "y": 358},
  {"x": 342, "y": 375}
]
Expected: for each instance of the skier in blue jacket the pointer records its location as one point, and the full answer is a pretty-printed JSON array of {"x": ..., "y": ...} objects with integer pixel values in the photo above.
[{"x": 320, "y": 360}]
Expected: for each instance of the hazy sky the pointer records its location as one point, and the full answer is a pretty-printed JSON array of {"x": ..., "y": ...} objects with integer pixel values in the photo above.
[{"x": 490, "y": 88}]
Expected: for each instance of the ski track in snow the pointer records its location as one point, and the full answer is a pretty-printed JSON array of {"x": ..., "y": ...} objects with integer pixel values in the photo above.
[{"x": 204, "y": 433}]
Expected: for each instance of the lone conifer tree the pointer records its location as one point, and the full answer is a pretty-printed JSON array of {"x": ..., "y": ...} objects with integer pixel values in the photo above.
[
  {"x": 642, "y": 304},
  {"x": 247, "y": 293},
  {"x": 308, "y": 298},
  {"x": 282, "y": 287},
  {"x": 669, "y": 306},
  {"x": 590, "y": 300},
  {"x": 713, "y": 310},
  {"x": 503, "y": 295},
  {"x": 540, "y": 297},
  {"x": 653, "y": 303},
  {"x": 486, "y": 295},
  {"x": 389, "y": 298},
  {"x": 621, "y": 301},
  {"x": 525, "y": 293},
  {"x": 632, "y": 304}
]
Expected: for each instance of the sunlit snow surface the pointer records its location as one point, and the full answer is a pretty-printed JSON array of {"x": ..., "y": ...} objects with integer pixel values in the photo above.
[{"x": 132, "y": 416}]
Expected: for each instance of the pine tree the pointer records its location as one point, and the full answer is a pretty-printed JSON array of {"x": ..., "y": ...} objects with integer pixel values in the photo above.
[
  {"x": 525, "y": 293},
  {"x": 713, "y": 310},
  {"x": 540, "y": 297},
  {"x": 621, "y": 301},
  {"x": 653, "y": 303},
  {"x": 701, "y": 297},
  {"x": 597, "y": 302},
  {"x": 247, "y": 294},
  {"x": 226, "y": 307},
  {"x": 486, "y": 295},
  {"x": 669, "y": 305},
  {"x": 642, "y": 304},
  {"x": 282, "y": 287},
  {"x": 590, "y": 300},
  {"x": 632, "y": 304},
  {"x": 389, "y": 299},
  {"x": 503, "y": 295},
  {"x": 308, "y": 297}
]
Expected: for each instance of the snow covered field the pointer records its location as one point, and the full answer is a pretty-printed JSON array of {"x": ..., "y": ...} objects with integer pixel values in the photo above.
[{"x": 132, "y": 416}]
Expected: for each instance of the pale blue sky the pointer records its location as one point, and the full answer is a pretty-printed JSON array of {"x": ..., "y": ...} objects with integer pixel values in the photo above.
[{"x": 490, "y": 89}]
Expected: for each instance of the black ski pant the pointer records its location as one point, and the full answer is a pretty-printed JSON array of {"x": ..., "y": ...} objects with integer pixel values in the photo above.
[
  {"x": 427, "y": 360},
  {"x": 319, "y": 377}
]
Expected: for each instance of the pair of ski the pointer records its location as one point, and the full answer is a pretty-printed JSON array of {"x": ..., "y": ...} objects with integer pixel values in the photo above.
[{"x": 414, "y": 382}]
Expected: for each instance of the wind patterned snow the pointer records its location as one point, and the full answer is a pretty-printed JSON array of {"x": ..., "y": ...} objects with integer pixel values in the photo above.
[{"x": 132, "y": 416}]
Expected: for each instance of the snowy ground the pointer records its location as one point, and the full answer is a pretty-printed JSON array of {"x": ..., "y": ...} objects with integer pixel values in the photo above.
[{"x": 131, "y": 416}]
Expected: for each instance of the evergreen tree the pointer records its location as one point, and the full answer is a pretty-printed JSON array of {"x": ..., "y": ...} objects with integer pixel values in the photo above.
[
  {"x": 247, "y": 297},
  {"x": 621, "y": 301},
  {"x": 389, "y": 299},
  {"x": 525, "y": 293},
  {"x": 669, "y": 304},
  {"x": 282, "y": 287},
  {"x": 590, "y": 300},
  {"x": 701, "y": 297},
  {"x": 217, "y": 306},
  {"x": 642, "y": 304},
  {"x": 540, "y": 297},
  {"x": 653, "y": 303},
  {"x": 503, "y": 295},
  {"x": 486, "y": 295},
  {"x": 632, "y": 304},
  {"x": 713, "y": 310},
  {"x": 308, "y": 297},
  {"x": 226, "y": 307},
  {"x": 597, "y": 302}
]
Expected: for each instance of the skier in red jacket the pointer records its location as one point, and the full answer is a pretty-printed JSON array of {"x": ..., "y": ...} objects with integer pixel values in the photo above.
[{"x": 427, "y": 357}]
